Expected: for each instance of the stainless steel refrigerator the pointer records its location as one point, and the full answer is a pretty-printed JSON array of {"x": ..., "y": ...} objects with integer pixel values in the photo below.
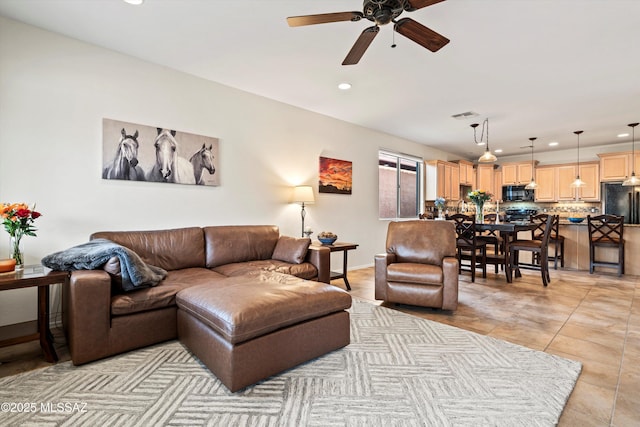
[{"x": 620, "y": 200}]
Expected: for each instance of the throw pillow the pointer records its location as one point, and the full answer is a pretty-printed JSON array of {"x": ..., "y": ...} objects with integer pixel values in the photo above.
[
  {"x": 113, "y": 268},
  {"x": 291, "y": 249}
]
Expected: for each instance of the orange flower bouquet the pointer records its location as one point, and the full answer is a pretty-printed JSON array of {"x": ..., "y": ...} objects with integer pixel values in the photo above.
[{"x": 18, "y": 219}]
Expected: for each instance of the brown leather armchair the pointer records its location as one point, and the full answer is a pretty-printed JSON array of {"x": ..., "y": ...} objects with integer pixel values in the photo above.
[{"x": 419, "y": 266}]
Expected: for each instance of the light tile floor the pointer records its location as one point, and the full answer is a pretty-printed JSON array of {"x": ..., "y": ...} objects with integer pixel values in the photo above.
[
  {"x": 591, "y": 318},
  {"x": 594, "y": 319}
]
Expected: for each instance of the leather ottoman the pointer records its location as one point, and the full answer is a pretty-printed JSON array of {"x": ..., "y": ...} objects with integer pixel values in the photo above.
[{"x": 248, "y": 328}]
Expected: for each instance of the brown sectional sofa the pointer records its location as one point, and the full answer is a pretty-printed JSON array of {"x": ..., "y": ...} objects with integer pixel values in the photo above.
[{"x": 100, "y": 320}]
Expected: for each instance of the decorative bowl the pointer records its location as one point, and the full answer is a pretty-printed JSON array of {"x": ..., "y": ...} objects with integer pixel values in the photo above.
[
  {"x": 327, "y": 240},
  {"x": 575, "y": 220},
  {"x": 7, "y": 265}
]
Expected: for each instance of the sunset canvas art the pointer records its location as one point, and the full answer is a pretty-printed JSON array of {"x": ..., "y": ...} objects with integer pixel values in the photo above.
[{"x": 334, "y": 176}]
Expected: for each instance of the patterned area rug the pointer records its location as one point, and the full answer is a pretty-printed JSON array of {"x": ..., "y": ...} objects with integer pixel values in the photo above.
[{"x": 399, "y": 370}]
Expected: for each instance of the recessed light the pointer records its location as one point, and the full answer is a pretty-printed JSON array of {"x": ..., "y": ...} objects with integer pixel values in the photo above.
[
  {"x": 553, "y": 144},
  {"x": 135, "y": 2},
  {"x": 344, "y": 86},
  {"x": 499, "y": 150},
  {"x": 623, "y": 135}
]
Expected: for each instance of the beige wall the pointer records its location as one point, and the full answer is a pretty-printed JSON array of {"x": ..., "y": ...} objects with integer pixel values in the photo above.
[{"x": 54, "y": 93}]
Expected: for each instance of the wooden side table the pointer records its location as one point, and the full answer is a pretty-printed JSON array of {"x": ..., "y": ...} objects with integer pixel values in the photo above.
[
  {"x": 340, "y": 247},
  {"x": 30, "y": 276}
]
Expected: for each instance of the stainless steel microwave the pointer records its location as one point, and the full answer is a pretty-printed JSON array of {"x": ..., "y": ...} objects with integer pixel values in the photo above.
[{"x": 516, "y": 193}]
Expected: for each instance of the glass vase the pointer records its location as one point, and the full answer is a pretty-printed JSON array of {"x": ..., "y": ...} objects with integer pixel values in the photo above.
[
  {"x": 440, "y": 214},
  {"x": 16, "y": 250},
  {"x": 479, "y": 213}
]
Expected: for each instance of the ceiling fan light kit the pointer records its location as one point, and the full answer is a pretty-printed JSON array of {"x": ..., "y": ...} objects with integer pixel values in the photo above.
[{"x": 380, "y": 12}]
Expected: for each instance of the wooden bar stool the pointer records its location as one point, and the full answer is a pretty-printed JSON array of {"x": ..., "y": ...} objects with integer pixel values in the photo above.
[{"x": 606, "y": 231}]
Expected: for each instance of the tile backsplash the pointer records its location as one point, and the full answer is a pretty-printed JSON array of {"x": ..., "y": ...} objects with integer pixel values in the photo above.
[{"x": 564, "y": 209}]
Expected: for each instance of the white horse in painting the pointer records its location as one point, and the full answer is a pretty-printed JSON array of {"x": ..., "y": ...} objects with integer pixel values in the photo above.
[
  {"x": 125, "y": 162},
  {"x": 201, "y": 160},
  {"x": 170, "y": 167}
]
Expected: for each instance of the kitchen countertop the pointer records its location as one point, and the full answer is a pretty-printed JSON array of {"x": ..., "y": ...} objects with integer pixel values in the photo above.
[{"x": 584, "y": 223}]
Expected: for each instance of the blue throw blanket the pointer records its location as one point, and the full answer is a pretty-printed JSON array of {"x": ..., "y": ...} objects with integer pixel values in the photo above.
[{"x": 94, "y": 254}]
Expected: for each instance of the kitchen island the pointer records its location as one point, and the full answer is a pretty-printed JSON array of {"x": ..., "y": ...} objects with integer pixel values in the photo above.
[{"x": 576, "y": 248}]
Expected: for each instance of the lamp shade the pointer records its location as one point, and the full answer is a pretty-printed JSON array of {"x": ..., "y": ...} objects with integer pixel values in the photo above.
[
  {"x": 302, "y": 194},
  {"x": 487, "y": 157}
]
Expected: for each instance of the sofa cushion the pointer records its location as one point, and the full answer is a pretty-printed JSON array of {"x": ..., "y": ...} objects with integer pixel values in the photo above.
[
  {"x": 291, "y": 249},
  {"x": 260, "y": 303},
  {"x": 167, "y": 249},
  {"x": 305, "y": 270},
  {"x": 163, "y": 295},
  {"x": 239, "y": 243},
  {"x": 113, "y": 268}
]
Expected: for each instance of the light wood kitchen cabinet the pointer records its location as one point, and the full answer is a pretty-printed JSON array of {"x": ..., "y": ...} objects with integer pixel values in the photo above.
[
  {"x": 467, "y": 174},
  {"x": 615, "y": 166},
  {"x": 547, "y": 183},
  {"x": 442, "y": 180},
  {"x": 452, "y": 181},
  {"x": 497, "y": 185},
  {"x": 517, "y": 173},
  {"x": 589, "y": 172},
  {"x": 485, "y": 179},
  {"x": 566, "y": 175}
]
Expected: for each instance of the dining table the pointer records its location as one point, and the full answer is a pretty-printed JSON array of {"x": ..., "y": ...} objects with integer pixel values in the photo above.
[{"x": 509, "y": 231}]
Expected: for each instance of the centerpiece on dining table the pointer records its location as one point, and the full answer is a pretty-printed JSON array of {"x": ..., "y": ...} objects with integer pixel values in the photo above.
[
  {"x": 440, "y": 203},
  {"x": 478, "y": 197}
]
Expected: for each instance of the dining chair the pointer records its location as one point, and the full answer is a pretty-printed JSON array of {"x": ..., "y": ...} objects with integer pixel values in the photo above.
[
  {"x": 538, "y": 248},
  {"x": 493, "y": 238},
  {"x": 555, "y": 239},
  {"x": 468, "y": 246},
  {"x": 606, "y": 231}
]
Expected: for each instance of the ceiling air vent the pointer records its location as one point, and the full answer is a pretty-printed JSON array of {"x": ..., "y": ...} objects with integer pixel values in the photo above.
[{"x": 465, "y": 115}]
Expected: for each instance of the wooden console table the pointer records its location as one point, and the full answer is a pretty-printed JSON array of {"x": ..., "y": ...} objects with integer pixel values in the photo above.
[
  {"x": 30, "y": 276},
  {"x": 340, "y": 247}
]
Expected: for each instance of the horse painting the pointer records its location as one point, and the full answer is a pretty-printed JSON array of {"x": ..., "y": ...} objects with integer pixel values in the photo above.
[
  {"x": 125, "y": 162},
  {"x": 169, "y": 167},
  {"x": 201, "y": 160}
]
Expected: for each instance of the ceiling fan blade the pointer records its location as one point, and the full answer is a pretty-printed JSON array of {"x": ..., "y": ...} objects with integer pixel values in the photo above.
[
  {"x": 323, "y": 18},
  {"x": 420, "y": 34},
  {"x": 361, "y": 45},
  {"x": 419, "y": 4}
]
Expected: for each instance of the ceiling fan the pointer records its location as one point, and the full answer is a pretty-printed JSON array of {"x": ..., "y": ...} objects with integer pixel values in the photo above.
[{"x": 381, "y": 12}]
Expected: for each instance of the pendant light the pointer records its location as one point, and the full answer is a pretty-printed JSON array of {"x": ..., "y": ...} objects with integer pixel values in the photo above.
[
  {"x": 487, "y": 157},
  {"x": 578, "y": 183},
  {"x": 633, "y": 180},
  {"x": 532, "y": 185}
]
